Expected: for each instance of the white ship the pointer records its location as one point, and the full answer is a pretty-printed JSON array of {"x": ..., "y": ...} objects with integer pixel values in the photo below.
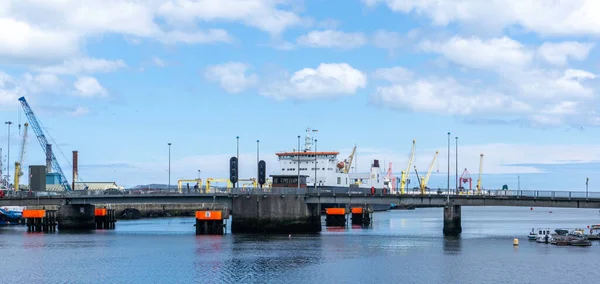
[{"x": 324, "y": 169}]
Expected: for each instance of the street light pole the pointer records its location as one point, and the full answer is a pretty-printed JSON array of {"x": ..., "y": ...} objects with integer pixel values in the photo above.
[
  {"x": 237, "y": 156},
  {"x": 456, "y": 158},
  {"x": 169, "y": 188},
  {"x": 298, "y": 154},
  {"x": 587, "y": 180},
  {"x": 257, "y": 157},
  {"x": 448, "y": 186},
  {"x": 8, "y": 156}
]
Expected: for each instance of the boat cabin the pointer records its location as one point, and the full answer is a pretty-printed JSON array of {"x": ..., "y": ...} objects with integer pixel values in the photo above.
[{"x": 288, "y": 180}]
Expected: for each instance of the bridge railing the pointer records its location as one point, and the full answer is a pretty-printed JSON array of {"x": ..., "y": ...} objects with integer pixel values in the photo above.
[{"x": 312, "y": 192}]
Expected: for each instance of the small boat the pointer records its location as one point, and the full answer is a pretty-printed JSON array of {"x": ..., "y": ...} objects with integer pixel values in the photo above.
[
  {"x": 543, "y": 236},
  {"x": 579, "y": 239},
  {"x": 532, "y": 235},
  {"x": 594, "y": 233}
]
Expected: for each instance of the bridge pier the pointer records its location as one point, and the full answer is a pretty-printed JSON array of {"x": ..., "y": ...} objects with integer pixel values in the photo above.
[
  {"x": 76, "y": 217},
  {"x": 274, "y": 214},
  {"x": 452, "y": 223}
]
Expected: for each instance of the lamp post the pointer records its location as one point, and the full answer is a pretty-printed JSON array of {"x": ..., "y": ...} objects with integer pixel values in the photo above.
[
  {"x": 587, "y": 180},
  {"x": 237, "y": 156},
  {"x": 298, "y": 154},
  {"x": 448, "y": 186},
  {"x": 257, "y": 157},
  {"x": 169, "y": 187},
  {"x": 456, "y": 158},
  {"x": 315, "y": 165},
  {"x": 8, "y": 156}
]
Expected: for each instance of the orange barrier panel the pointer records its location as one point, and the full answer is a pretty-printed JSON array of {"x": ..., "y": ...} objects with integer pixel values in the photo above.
[
  {"x": 357, "y": 210},
  {"x": 30, "y": 213},
  {"x": 209, "y": 215},
  {"x": 100, "y": 212},
  {"x": 335, "y": 211}
]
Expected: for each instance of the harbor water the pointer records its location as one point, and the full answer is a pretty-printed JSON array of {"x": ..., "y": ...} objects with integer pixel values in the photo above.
[{"x": 402, "y": 246}]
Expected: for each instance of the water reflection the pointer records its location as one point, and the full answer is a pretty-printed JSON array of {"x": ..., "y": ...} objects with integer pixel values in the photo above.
[{"x": 452, "y": 244}]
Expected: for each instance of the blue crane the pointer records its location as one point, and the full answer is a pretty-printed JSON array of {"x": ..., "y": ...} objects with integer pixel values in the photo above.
[{"x": 43, "y": 142}]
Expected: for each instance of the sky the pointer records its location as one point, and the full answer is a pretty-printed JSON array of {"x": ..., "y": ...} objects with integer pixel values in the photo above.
[{"x": 118, "y": 80}]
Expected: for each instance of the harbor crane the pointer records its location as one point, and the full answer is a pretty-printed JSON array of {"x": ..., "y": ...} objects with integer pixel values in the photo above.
[
  {"x": 425, "y": 180},
  {"x": 349, "y": 163},
  {"x": 406, "y": 173},
  {"x": 480, "y": 174},
  {"x": 19, "y": 163},
  {"x": 464, "y": 178},
  {"x": 35, "y": 125}
]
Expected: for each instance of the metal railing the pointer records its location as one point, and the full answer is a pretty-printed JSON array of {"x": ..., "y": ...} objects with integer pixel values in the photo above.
[{"x": 546, "y": 194}]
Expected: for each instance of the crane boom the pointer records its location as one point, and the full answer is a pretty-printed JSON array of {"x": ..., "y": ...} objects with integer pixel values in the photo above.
[
  {"x": 43, "y": 141},
  {"x": 480, "y": 174},
  {"x": 406, "y": 173},
  {"x": 350, "y": 158},
  {"x": 19, "y": 163},
  {"x": 425, "y": 179}
]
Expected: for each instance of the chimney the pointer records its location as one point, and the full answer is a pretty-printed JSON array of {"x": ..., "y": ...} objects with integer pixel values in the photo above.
[
  {"x": 48, "y": 158},
  {"x": 75, "y": 167}
]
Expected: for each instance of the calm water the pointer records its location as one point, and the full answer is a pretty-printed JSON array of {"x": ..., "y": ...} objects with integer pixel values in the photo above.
[{"x": 402, "y": 247}]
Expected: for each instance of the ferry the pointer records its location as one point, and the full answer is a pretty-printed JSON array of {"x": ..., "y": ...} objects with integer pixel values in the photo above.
[
  {"x": 11, "y": 215},
  {"x": 322, "y": 171}
]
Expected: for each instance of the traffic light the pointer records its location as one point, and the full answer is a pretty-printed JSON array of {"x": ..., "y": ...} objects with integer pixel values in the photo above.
[
  {"x": 233, "y": 170},
  {"x": 262, "y": 169}
]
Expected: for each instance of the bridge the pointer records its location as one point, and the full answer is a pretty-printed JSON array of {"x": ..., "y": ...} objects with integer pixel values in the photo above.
[{"x": 293, "y": 203}]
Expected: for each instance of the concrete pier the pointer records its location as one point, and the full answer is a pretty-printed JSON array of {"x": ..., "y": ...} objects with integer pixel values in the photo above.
[
  {"x": 452, "y": 222},
  {"x": 285, "y": 214},
  {"x": 335, "y": 217},
  {"x": 210, "y": 222},
  {"x": 76, "y": 217},
  {"x": 362, "y": 215}
]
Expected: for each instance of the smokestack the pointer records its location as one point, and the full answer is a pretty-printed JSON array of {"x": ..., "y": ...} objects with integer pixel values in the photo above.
[
  {"x": 48, "y": 158},
  {"x": 75, "y": 167}
]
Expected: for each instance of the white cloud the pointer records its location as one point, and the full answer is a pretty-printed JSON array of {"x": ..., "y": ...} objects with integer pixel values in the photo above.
[
  {"x": 25, "y": 43},
  {"x": 554, "y": 85},
  {"x": 577, "y": 17},
  {"x": 209, "y": 36},
  {"x": 86, "y": 86},
  {"x": 493, "y": 54},
  {"x": 10, "y": 91},
  {"x": 42, "y": 82},
  {"x": 446, "y": 96},
  {"x": 231, "y": 76},
  {"x": 394, "y": 74},
  {"x": 560, "y": 53},
  {"x": 328, "y": 80},
  {"x": 79, "y": 111},
  {"x": 158, "y": 61},
  {"x": 40, "y": 32},
  {"x": 262, "y": 14},
  {"x": 83, "y": 65},
  {"x": 386, "y": 39},
  {"x": 332, "y": 38}
]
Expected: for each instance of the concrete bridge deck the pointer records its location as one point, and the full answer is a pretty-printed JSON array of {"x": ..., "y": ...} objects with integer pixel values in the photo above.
[{"x": 570, "y": 199}]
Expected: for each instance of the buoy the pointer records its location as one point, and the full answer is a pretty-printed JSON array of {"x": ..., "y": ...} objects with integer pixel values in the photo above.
[
  {"x": 530, "y": 208},
  {"x": 515, "y": 242},
  {"x": 290, "y": 235}
]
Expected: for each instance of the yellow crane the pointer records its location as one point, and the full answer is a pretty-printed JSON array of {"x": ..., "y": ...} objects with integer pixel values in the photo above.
[
  {"x": 406, "y": 173},
  {"x": 349, "y": 163},
  {"x": 18, "y": 171},
  {"x": 181, "y": 181},
  {"x": 425, "y": 179},
  {"x": 211, "y": 180},
  {"x": 480, "y": 174}
]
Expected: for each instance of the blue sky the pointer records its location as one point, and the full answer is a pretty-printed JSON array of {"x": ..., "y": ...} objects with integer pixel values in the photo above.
[{"x": 118, "y": 80}]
